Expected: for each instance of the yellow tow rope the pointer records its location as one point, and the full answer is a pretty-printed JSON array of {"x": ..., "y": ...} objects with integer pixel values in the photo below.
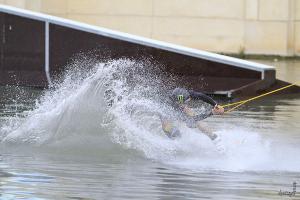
[{"x": 239, "y": 103}]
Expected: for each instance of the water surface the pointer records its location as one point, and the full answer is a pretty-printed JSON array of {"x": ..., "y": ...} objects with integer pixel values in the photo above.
[{"x": 66, "y": 144}]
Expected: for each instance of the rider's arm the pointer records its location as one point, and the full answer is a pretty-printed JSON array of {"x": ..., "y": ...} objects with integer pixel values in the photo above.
[
  {"x": 203, "y": 97},
  {"x": 217, "y": 109},
  {"x": 189, "y": 112}
]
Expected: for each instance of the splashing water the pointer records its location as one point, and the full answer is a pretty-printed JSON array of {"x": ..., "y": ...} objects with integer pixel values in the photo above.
[{"x": 115, "y": 104}]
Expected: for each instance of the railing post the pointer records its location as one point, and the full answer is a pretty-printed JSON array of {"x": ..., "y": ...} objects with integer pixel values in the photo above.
[{"x": 47, "y": 67}]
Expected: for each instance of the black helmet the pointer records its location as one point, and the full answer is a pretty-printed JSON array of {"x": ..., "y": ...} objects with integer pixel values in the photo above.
[{"x": 180, "y": 95}]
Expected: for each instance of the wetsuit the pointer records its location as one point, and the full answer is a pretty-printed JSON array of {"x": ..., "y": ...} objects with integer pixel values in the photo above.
[
  {"x": 203, "y": 97},
  {"x": 184, "y": 94},
  {"x": 206, "y": 99}
]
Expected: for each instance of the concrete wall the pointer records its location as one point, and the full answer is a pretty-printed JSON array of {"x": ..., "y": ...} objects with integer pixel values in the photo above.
[{"x": 229, "y": 26}]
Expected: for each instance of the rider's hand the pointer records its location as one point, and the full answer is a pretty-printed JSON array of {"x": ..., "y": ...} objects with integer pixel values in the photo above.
[{"x": 218, "y": 110}]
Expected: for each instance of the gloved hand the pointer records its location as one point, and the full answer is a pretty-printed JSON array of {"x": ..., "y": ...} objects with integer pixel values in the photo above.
[{"x": 218, "y": 110}]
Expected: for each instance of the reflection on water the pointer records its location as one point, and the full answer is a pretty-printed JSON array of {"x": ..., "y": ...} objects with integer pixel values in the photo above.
[{"x": 92, "y": 172}]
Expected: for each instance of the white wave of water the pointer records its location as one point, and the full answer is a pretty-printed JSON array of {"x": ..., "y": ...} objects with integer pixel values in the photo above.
[{"x": 115, "y": 104}]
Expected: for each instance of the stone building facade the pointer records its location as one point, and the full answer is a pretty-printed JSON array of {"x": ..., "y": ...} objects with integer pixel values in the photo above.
[{"x": 268, "y": 27}]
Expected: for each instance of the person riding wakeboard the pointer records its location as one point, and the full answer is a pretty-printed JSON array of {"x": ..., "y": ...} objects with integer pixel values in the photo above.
[{"x": 179, "y": 98}]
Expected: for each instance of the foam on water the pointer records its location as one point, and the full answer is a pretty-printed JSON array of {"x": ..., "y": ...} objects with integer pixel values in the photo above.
[{"x": 115, "y": 105}]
